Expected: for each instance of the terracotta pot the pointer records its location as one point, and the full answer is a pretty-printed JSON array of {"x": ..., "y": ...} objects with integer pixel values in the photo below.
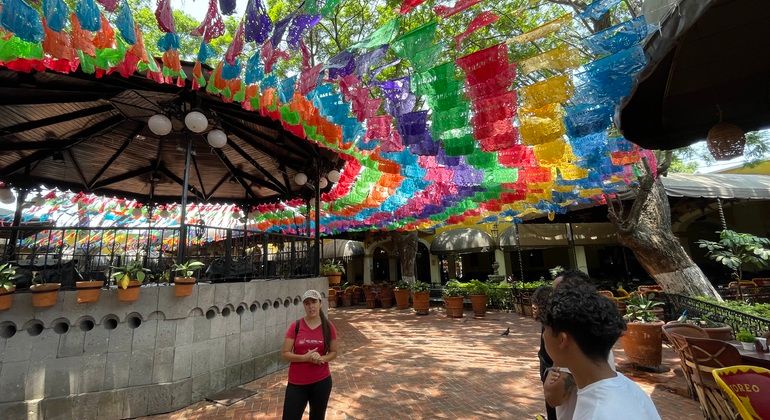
[
  {"x": 131, "y": 293},
  {"x": 387, "y": 302},
  {"x": 454, "y": 306},
  {"x": 6, "y": 298},
  {"x": 88, "y": 291},
  {"x": 370, "y": 302},
  {"x": 479, "y": 303},
  {"x": 527, "y": 309},
  {"x": 421, "y": 302},
  {"x": 643, "y": 343},
  {"x": 334, "y": 279},
  {"x": 723, "y": 333},
  {"x": 44, "y": 295},
  {"x": 183, "y": 286},
  {"x": 402, "y": 298},
  {"x": 347, "y": 299}
]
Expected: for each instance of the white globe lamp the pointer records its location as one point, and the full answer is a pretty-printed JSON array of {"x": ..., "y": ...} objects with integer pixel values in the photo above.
[
  {"x": 300, "y": 179},
  {"x": 6, "y": 196},
  {"x": 333, "y": 175},
  {"x": 159, "y": 124},
  {"x": 217, "y": 138},
  {"x": 196, "y": 122},
  {"x": 322, "y": 183}
]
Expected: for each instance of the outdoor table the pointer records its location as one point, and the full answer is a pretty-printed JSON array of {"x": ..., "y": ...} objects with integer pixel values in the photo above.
[{"x": 752, "y": 357}]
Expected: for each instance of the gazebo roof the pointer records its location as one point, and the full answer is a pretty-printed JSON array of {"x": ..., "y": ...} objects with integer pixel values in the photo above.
[{"x": 90, "y": 134}]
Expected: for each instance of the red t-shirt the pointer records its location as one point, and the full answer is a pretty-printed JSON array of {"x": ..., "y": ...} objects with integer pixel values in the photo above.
[{"x": 304, "y": 373}]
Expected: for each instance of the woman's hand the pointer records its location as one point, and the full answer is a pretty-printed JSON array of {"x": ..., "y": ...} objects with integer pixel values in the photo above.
[{"x": 313, "y": 356}]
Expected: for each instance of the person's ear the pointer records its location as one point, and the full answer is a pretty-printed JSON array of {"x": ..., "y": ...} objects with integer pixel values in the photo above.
[{"x": 563, "y": 339}]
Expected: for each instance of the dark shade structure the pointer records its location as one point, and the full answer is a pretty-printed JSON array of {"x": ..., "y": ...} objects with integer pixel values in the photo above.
[{"x": 709, "y": 58}]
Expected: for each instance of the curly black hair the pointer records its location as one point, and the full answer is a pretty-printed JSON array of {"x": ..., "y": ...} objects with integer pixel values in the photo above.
[
  {"x": 591, "y": 319},
  {"x": 541, "y": 296},
  {"x": 575, "y": 276}
]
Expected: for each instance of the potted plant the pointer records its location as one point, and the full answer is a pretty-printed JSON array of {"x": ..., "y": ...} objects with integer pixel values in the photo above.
[
  {"x": 128, "y": 279},
  {"x": 454, "y": 295},
  {"x": 402, "y": 295},
  {"x": 386, "y": 296},
  {"x": 184, "y": 281},
  {"x": 332, "y": 298},
  {"x": 643, "y": 342},
  {"x": 421, "y": 297},
  {"x": 734, "y": 250},
  {"x": 478, "y": 292},
  {"x": 333, "y": 270},
  {"x": 7, "y": 286},
  {"x": 715, "y": 330},
  {"x": 44, "y": 295},
  {"x": 746, "y": 338}
]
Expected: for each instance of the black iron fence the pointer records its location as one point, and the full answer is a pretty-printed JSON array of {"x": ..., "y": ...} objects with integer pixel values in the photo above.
[
  {"x": 69, "y": 254},
  {"x": 677, "y": 304}
]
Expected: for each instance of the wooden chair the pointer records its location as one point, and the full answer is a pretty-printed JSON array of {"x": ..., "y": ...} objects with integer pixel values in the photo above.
[
  {"x": 606, "y": 293},
  {"x": 675, "y": 332},
  {"x": 702, "y": 356},
  {"x": 745, "y": 385}
]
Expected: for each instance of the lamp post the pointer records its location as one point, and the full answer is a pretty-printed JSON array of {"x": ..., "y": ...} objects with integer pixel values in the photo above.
[{"x": 321, "y": 182}]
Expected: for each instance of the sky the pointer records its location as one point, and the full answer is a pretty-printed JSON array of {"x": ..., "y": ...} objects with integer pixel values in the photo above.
[{"x": 197, "y": 8}]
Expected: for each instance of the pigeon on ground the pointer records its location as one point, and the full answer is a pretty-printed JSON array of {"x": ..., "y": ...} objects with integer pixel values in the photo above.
[{"x": 507, "y": 331}]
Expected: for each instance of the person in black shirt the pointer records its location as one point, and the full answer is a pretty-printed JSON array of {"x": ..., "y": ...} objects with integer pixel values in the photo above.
[{"x": 539, "y": 297}]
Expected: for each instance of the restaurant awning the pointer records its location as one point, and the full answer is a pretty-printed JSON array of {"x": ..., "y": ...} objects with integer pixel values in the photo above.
[
  {"x": 725, "y": 186},
  {"x": 464, "y": 240},
  {"x": 708, "y": 58}
]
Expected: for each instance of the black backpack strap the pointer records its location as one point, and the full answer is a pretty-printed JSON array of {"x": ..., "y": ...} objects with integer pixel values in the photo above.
[{"x": 296, "y": 331}]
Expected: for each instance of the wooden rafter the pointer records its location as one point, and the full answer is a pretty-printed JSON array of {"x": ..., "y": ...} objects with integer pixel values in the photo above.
[
  {"x": 124, "y": 176},
  {"x": 77, "y": 168},
  {"x": 276, "y": 184},
  {"x": 282, "y": 167},
  {"x": 44, "y": 122},
  {"x": 115, "y": 155},
  {"x": 217, "y": 185},
  {"x": 235, "y": 173},
  {"x": 292, "y": 161},
  {"x": 198, "y": 173},
  {"x": 179, "y": 181}
]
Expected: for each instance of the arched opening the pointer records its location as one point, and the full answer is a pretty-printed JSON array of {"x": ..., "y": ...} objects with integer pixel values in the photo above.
[
  {"x": 422, "y": 263},
  {"x": 381, "y": 265}
]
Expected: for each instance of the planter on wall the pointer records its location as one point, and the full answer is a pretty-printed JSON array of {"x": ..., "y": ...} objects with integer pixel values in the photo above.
[
  {"x": 334, "y": 279},
  {"x": 421, "y": 302},
  {"x": 643, "y": 343},
  {"x": 88, "y": 291},
  {"x": 44, "y": 295},
  {"x": 454, "y": 306},
  {"x": 183, "y": 286},
  {"x": 479, "y": 303},
  {"x": 402, "y": 298},
  {"x": 6, "y": 297},
  {"x": 131, "y": 293}
]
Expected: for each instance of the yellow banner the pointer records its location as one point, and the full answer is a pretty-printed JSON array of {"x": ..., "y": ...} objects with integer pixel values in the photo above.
[
  {"x": 558, "y": 59},
  {"x": 541, "y": 31},
  {"x": 552, "y": 90}
]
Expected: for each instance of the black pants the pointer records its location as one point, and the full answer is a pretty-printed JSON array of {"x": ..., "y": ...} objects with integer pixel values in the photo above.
[{"x": 297, "y": 397}]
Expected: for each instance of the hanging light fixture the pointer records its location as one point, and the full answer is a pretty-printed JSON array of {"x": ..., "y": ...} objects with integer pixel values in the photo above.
[
  {"x": 216, "y": 138},
  {"x": 300, "y": 179},
  {"x": 196, "y": 121},
  {"x": 322, "y": 183},
  {"x": 159, "y": 124},
  {"x": 6, "y": 195},
  {"x": 333, "y": 175}
]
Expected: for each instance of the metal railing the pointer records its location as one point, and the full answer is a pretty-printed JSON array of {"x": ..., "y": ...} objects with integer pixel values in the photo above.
[
  {"x": 69, "y": 254},
  {"x": 676, "y": 304}
]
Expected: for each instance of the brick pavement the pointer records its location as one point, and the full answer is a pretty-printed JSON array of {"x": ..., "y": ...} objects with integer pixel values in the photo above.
[{"x": 396, "y": 365}]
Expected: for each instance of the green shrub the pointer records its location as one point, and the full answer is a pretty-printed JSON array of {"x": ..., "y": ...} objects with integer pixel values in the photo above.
[
  {"x": 477, "y": 287},
  {"x": 744, "y": 336},
  {"x": 420, "y": 286},
  {"x": 454, "y": 289}
]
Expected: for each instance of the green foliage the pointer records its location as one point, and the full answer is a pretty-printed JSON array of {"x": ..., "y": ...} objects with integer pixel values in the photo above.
[
  {"x": 556, "y": 271},
  {"x": 402, "y": 285},
  {"x": 420, "y": 286},
  {"x": 454, "y": 289},
  {"x": 500, "y": 295},
  {"x": 640, "y": 309},
  {"x": 760, "y": 310},
  {"x": 734, "y": 250},
  {"x": 332, "y": 267},
  {"x": 477, "y": 287},
  {"x": 187, "y": 268},
  {"x": 744, "y": 336},
  {"x": 530, "y": 285},
  {"x": 7, "y": 271},
  {"x": 131, "y": 271}
]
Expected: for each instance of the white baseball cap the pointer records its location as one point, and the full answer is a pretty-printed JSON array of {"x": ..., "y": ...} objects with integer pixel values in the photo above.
[{"x": 311, "y": 294}]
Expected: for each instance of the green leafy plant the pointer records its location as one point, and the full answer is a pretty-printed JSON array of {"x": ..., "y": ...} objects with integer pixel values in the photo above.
[
  {"x": 420, "y": 286},
  {"x": 734, "y": 250},
  {"x": 556, "y": 271},
  {"x": 332, "y": 267},
  {"x": 640, "y": 309},
  {"x": 761, "y": 310},
  {"x": 744, "y": 336},
  {"x": 530, "y": 285},
  {"x": 131, "y": 271},
  {"x": 402, "y": 285},
  {"x": 187, "y": 268},
  {"x": 477, "y": 287},
  {"x": 454, "y": 289},
  {"x": 7, "y": 272}
]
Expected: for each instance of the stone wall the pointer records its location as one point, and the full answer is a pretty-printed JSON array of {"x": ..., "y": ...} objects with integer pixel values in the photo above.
[{"x": 110, "y": 359}]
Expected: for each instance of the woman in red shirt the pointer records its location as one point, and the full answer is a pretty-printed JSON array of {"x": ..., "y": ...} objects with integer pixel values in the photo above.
[{"x": 309, "y": 346}]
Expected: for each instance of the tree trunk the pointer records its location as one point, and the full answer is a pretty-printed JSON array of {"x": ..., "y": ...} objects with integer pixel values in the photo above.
[
  {"x": 648, "y": 234},
  {"x": 406, "y": 244}
]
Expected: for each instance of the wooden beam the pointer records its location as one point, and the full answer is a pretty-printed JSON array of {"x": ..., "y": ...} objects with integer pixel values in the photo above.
[
  {"x": 76, "y": 139},
  {"x": 124, "y": 176},
  {"x": 217, "y": 185},
  {"x": 282, "y": 167},
  {"x": 198, "y": 172},
  {"x": 292, "y": 161},
  {"x": 179, "y": 181},
  {"x": 276, "y": 184},
  {"x": 115, "y": 155},
  {"x": 234, "y": 172},
  {"x": 260, "y": 182},
  {"x": 43, "y": 122},
  {"x": 77, "y": 168},
  {"x": 27, "y": 96}
]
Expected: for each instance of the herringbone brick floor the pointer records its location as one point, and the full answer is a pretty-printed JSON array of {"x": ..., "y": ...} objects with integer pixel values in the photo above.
[{"x": 396, "y": 365}]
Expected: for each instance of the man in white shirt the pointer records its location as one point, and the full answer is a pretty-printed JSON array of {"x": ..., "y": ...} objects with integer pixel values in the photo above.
[{"x": 581, "y": 327}]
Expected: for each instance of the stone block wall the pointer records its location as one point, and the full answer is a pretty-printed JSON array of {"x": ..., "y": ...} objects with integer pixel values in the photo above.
[{"x": 111, "y": 359}]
